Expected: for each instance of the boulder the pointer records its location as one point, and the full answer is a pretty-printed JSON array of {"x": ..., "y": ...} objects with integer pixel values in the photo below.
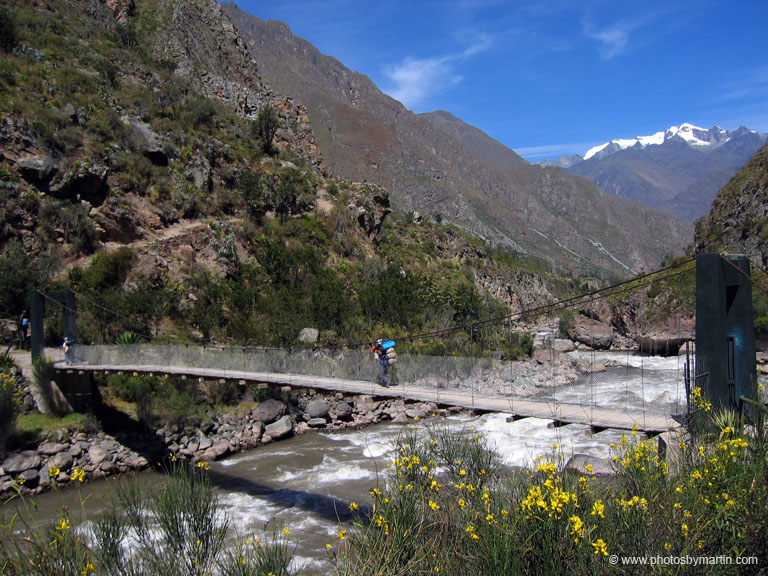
[
  {"x": 316, "y": 422},
  {"x": 309, "y": 335},
  {"x": 145, "y": 140},
  {"x": 593, "y": 333},
  {"x": 317, "y": 408},
  {"x": 62, "y": 461},
  {"x": 51, "y": 448},
  {"x": 280, "y": 429},
  {"x": 577, "y": 464},
  {"x": 341, "y": 410},
  {"x": 269, "y": 411},
  {"x": 37, "y": 170},
  {"x": 97, "y": 454},
  {"x": 26, "y": 460},
  {"x": 660, "y": 344}
]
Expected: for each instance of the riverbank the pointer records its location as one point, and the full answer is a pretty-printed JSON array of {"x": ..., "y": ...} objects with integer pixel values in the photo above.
[{"x": 61, "y": 455}]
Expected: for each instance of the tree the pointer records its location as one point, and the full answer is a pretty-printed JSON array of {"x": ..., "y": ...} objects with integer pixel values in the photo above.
[
  {"x": 8, "y": 35},
  {"x": 16, "y": 280},
  {"x": 265, "y": 127}
]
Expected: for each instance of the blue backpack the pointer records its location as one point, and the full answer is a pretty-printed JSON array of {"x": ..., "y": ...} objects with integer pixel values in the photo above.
[{"x": 387, "y": 345}]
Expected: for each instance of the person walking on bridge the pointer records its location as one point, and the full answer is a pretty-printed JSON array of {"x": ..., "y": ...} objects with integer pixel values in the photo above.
[{"x": 381, "y": 355}]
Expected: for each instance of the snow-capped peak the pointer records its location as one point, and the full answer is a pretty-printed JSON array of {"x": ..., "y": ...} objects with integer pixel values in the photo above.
[{"x": 693, "y": 135}]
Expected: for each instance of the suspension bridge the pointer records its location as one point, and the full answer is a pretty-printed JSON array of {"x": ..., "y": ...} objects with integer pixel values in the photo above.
[
  {"x": 473, "y": 383},
  {"x": 617, "y": 396}
]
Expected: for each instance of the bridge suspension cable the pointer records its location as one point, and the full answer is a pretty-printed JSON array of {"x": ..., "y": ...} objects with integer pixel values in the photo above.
[{"x": 563, "y": 304}]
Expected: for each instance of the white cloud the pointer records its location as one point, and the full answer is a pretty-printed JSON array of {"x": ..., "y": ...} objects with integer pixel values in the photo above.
[
  {"x": 533, "y": 153},
  {"x": 414, "y": 80},
  {"x": 612, "y": 40}
]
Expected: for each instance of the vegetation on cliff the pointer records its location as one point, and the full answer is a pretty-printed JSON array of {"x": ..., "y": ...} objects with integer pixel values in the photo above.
[{"x": 179, "y": 205}]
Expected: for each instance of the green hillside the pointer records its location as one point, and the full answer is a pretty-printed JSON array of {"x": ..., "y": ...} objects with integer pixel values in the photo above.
[{"x": 145, "y": 166}]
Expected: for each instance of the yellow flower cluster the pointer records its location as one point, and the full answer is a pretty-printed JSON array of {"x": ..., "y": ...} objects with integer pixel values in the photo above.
[{"x": 548, "y": 496}]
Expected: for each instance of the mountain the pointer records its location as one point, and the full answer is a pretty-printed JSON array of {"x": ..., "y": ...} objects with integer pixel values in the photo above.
[
  {"x": 678, "y": 170},
  {"x": 439, "y": 166},
  {"x": 145, "y": 165},
  {"x": 738, "y": 220}
]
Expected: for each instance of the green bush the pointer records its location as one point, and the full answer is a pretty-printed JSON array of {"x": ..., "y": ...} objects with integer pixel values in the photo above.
[
  {"x": 265, "y": 127},
  {"x": 9, "y": 403},
  {"x": 8, "y": 30},
  {"x": 450, "y": 508}
]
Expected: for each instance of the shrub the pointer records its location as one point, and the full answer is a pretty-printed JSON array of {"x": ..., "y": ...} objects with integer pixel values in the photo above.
[
  {"x": 8, "y": 34},
  {"x": 265, "y": 127},
  {"x": 9, "y": 402},
  {"x": 449, "y": 508}
]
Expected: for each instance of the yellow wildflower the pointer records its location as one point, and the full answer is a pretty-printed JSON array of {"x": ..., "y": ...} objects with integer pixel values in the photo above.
[
  {"x": 600, "y": 547},
  {"x": 63, "y": 525},
  {"x": 89, "y": 568},
  {"x": 53, "y": 472},
  {"x": 353, "y": 506},
  {"x": 286, "y": 531},
  {"x": 78, "y": 475},
  {"x": 342, "y": 534},
  {"x": 434, "y": 505},
  {"x": 598, "y": 509}
]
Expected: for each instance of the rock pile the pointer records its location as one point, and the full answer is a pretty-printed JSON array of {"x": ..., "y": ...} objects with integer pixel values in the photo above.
[
  {"x": 100, "y": 455},
  {"x": 97, "y": 456}
]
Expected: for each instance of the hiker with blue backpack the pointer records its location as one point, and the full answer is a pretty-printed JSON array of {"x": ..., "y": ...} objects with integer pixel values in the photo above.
[{"x": 385, "y": 352}]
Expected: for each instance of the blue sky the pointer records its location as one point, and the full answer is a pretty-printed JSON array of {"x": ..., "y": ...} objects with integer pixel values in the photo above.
[{"x": 551, "y": 77}]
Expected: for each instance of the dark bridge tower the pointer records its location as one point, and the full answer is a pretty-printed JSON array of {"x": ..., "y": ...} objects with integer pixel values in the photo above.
[
  {"x": 725, "y": 331},
  {"x": 37, "y": 300}
]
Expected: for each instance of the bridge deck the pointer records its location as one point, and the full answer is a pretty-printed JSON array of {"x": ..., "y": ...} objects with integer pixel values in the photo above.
[{"x": 595, "y": 417}]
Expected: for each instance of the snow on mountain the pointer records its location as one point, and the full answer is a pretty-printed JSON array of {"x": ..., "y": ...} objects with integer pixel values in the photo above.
[{"x": 693, "y": 135}]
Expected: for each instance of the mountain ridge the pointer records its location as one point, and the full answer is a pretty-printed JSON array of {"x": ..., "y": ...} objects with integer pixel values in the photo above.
[
  {"x": 437, "y": 165},
  {"x": 678, "y": 170}
]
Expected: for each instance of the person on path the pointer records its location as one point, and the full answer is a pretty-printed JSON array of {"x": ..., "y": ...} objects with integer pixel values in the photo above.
[{"x": 383, "y": 363}]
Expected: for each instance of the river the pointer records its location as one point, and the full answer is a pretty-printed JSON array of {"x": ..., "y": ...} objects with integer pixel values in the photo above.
[{"x": 305, "y": 483}]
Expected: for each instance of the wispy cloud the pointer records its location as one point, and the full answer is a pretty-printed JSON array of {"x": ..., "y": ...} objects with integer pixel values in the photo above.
[
  {"x": 414, "y": 80},
  {"x": 613, "y": 40},
  {"x": 553, "y": 150},
  {"x": 750, "y": 85}
]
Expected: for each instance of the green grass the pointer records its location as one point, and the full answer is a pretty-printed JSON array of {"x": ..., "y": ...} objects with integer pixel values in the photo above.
[{"x": 39, "y": 423}]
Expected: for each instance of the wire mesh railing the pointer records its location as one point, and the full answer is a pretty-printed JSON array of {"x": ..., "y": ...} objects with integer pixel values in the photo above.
[{"x": 620, "y": 382}]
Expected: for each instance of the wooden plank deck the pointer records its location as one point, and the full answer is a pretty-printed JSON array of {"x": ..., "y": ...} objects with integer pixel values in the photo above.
[{"x": 592, "y": 416}]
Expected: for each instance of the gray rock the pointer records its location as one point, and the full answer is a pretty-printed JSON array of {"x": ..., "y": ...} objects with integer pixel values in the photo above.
[
  {"x": 316, "y": 422},
  {"x": 341, "y": 410},
  {"x": 400, "y": 418},
  {"x": 309, "y": 335},
  {"x": 31, "y": 477},
  {"x": 145, "y": 140},
  {"x": 51, "y": 448},
  {"x": 37, "y": 170},
  {"x": 257, "y": 428},
  {"x": 269, "y": 410},
  {"x": 220, "y": 447},
  {"x": 136, "y": 462},
  {"x": 97, "y": 455},
  {"x": 26, "y": 460},
  {"x": 577, "y": 464},
  {"x": 317, "y": 408},
  {"x": 205, "y": 443},
  {"x": 280, "y": 429},
  {"x": 62, "y": 461},
  {"x": 593, "y": 333}
]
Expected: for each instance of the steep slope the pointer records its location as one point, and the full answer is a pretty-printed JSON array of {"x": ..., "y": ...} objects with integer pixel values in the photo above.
[
  {"x": 438, "y": 165},
  {"x": 134, "y": 170},
  {"x": 738, "y": 221}
]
